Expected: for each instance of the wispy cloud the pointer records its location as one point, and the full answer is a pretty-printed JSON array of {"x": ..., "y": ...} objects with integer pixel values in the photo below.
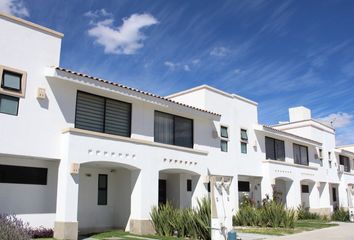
[
  {"x": 125, "y": 39},
  {"x": 172, "y": 66},
  {"x": 338, "y": 120},
  {"x": 219, "y": 51},
  {"x": 14, "y": 7},
  {"x": 279, "y": 18}
]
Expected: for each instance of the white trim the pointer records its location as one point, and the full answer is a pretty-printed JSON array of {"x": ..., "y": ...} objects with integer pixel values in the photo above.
[
  {"x": 31, "y": 25},
  {"x": 289, "y": 164},
  {"x": 204, "y": 86},
  {"x": 132, "y": 140}
]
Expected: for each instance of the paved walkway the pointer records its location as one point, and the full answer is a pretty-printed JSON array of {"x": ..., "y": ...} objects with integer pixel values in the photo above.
[{"x": 345, "y": 231}]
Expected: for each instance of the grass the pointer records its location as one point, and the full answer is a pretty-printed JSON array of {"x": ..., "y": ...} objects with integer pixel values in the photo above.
[{"x": 300, "y": 226}]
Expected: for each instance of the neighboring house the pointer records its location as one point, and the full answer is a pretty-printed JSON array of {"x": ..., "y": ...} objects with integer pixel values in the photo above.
[{"x": 79, "y": 153}]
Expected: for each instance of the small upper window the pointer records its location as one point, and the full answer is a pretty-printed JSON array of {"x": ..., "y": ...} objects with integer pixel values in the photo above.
[
  {"x": 244, "y": 136},
  {"x": 11, "y": 81},
  {"x": 223, "y": 145},
  {"x": 223, "y": 132}
]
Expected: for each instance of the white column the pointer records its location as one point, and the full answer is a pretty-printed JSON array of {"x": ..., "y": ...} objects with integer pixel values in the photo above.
[
  {"x": 293, "y": 197},
  {"x": 66, "y": 224},
  {"x": 144, "y": 197}
]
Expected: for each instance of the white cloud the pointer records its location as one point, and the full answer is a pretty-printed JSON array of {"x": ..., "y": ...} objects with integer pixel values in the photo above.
[
  {"x": 219, "y": 51},
  {"x": 177, "y": 66},
  {"x": 125, "y": 39},
  {"x": 14, "y": 7},
  {"x": 338, "y": 120}
]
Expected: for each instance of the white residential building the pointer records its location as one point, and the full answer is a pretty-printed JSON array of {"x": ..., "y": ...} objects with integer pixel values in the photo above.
[{"x": 82, "y": 154}]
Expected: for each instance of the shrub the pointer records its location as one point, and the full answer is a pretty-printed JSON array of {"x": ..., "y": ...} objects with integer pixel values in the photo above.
[
  {"x": 303, "y": 213},
  {"x": 13, "y": 228},
  {"x": 271, "y": 214},
  {"x": 193, "y": 223},
  {"x": 341, "y": 215}
]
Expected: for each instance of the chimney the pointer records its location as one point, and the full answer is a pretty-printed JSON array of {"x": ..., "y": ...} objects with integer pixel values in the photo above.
[{"x": 299, "y": 114}]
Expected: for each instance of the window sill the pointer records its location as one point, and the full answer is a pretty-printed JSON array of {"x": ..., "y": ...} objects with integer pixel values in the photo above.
[
  {"x": 289, "y": 164},
  {"x": 131, "y": 140}
]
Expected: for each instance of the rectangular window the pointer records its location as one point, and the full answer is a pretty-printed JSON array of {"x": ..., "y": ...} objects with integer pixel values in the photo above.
[
  {"x": 300, "y": 154},
  {"x": 189, "y": 185},
  {"x": 305, "y": 189},
  {"x": 330, "y": 164},
  {"x": 329, "y": 155},
  {"x": 162, "y": 191},
  {"x": 275, "y": 149},
  {"x": 244, "y": 136},
  {"x": 345, "y": 162},
  {"x": 334, "y": 194},
  {"x": 9, "y": 104},
  {"x": 11, "y": 81},
  {"x": 174, "y": 130},
  {"x": 102, "y": 189},
  {"x": 100, "y": 114},
  {"x": 23, "y": 175},
  {"x": 224, "y": 132},
  {"x": 243, "y": 147},
  {"x": 243, "y": 186},
  {"x": 223, "y": 145}
]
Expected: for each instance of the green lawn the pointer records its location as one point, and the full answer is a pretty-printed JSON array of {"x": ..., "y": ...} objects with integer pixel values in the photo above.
[{"x": 300, "y": 226}]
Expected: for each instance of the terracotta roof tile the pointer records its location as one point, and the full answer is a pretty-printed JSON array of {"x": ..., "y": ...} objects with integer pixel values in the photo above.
[{"x": 134, "y": 89}]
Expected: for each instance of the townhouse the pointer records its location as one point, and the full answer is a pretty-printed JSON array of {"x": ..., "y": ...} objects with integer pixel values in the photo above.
[{"x": 82, "y": 154}]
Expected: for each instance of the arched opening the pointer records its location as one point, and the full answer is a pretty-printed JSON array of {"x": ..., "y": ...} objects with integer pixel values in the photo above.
[
  {"x": 307, "y": 192},
  {"x": 105, "y": 191},
  {"x": 281, "y": 189},
  {"x": 177, "y": 186}
]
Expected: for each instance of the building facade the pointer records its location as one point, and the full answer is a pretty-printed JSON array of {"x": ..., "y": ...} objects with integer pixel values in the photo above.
[{"x": 83, "y": 154}]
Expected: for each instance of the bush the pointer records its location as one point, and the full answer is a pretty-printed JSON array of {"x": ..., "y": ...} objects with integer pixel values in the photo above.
[
  {"x": 341, "y": 215},
  {"x": 13, "y": 228},
  {"x": 271, "y": 214},
  {"x": 193, "y": 223},
  {"x": 304, "y": 214}
]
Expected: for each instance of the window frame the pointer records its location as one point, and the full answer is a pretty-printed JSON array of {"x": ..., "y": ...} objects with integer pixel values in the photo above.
[
  {"x": 189, "y": 185},
  {"x": 104, "y": 114},
  {"x": 174, "y": 129},
  {"x": 244, "y": 144},
  {"x": 345, "y": 160},
  {"x": 275, "y": 149},
  {"x": 243, "y": 185},
  {"x": 224, "y": 140},
  {"x": 300, "y": 152},
  {"x": 227, "y": 131},
  {"x": 305, "y": 188},
  {"x": 8, "y": 90},
  {"x": 246, "y": 132},
  {"x": 99, "y": 189}
]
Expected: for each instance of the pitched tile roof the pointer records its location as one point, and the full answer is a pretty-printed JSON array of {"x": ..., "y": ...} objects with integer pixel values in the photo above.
[{"x": 134, "y": 89}]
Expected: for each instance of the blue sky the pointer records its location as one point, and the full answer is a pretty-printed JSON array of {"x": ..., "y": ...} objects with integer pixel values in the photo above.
[{"x": 278, "y": 53}]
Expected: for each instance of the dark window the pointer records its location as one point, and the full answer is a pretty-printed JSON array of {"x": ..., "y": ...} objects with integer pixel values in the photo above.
[
  {"x": 102, "y": 189},
  {"x": 274, "y": 149},
  {"x": 223, "y": 145},
  {"x": 244, "y": 135},
  {"x": 174, "y": 130},
  {"x": 11, "y": 81},
  {"x": 334, "y": 194},
  {"x": 208, "y": 187},
  {"x": 189, "y": 185},
  {"x": 243, "y": 147},
  {"x": 223, "y": 132},
  {"x": 162, "y": 191},
  {"x": 301, "y": 154},
  {"x": 243, "y": 186},
  {"x": 345, "y": 162},
  {"x": 9, "y": 104},
  {"x": 101, "y": 114},
  {"x": 23, "y": 175},
  {"x": 305, "y": 189}
]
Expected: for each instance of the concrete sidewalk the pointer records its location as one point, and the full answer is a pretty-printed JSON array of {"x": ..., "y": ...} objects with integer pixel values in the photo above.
[{"x": 345, "y": 231}]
